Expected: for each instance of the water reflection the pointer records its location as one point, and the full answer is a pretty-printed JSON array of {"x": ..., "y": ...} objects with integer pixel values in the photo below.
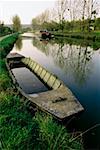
[
  {"x": 18, "y": 43},
  {"x": 71, "y": 58},
  {"x": 42, "y": 45},
  {"x": 94, "y": 45}
]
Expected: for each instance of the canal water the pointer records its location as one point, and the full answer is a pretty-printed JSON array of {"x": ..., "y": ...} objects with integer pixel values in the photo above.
[{"x": 77, "y": 64}]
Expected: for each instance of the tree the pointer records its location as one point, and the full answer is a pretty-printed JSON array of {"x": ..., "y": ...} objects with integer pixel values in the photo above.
[
  {"x": 1, "y": 27},
  {"x": 4, "y": 30},
  {"x": 40, "y": 20},
  {"x": 83, "y": 14},
  {"x": 97, "y": 24},
  {"x": 91, "y": 10},
  {"x": 73, "y": 6},
  {"x": 35, "y": 24},
  {"x": 61, "y": 11},
  {"x": 44, "y": 17},
  {"x": 16, "y": 23}
]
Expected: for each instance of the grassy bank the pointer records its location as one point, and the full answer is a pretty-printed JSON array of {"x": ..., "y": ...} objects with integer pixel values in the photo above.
[
  {"x": 6, "y": 44},
  {"x": 95, "y": 36},
  {"x": 19, "y": 130}
]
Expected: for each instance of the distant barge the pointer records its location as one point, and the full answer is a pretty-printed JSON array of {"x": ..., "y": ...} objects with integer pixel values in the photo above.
[
  {"x": 58, "y": 101},
  {"x": 46, "y": 34}
]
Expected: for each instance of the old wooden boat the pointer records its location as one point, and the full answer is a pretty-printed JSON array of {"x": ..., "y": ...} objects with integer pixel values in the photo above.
[{"x": 58, "y": 100}]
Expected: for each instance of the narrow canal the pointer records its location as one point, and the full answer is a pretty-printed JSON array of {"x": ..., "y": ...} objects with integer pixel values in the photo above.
[{"x": 77, "y": 64}]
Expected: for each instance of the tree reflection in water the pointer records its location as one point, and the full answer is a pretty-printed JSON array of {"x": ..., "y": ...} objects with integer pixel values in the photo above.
[
  {"x": 19, "y": 43},
  {"x": 72, "y": 58}
]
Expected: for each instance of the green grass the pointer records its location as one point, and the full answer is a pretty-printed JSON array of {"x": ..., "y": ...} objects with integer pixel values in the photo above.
[
  {"x": 53, "y": 136},
  {"x": 7, "y": 44},
  {"x": 95, "y": 36},
  {"x": 5, "y": 81},
  {"x": 19, "y": 130},
  {"x": 74, "y": 41}
]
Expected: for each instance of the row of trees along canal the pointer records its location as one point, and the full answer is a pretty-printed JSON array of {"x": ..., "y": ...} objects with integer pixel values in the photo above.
[
  {"x": 68, "y": 15},
  {"x": 16, "y": 26}
]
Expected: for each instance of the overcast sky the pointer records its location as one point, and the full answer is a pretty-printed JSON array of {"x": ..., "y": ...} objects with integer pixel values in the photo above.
[{"x": 25, "y": 9}]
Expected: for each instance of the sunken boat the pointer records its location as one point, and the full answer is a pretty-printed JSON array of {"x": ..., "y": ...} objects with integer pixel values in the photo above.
[{"x": 56, "y": 98}]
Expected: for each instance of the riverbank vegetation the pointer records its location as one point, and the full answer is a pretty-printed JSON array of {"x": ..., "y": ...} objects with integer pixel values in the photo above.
[
  {"x": 69, "y": 19},
  {"x": 18, "y": 128},
  {"x": 6, "y": 44},
  {"x": 95, "y": 44},
  {"x": 15, "y": 27},
  {"x": 16, "y": 23},
  {"x": 4, "y": 30}
]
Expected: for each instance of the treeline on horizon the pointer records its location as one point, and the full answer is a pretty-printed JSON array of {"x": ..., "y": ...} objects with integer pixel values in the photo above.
[
  {"x": 69, "y": 26},
  {"x": 66, "y": 16},
  {"x": 66, "y": 26},
  {"x": 70, "y": 15}
]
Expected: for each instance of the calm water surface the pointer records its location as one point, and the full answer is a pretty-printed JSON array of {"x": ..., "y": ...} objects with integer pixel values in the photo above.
[
  {"x": 78, "y": 66},
  {"x": 28, "y": 82}
]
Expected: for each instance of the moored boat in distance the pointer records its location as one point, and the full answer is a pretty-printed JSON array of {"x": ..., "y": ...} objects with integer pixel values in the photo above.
[
  {"x": 46, "y": 34},
  {"x": 58, "y": 100}
]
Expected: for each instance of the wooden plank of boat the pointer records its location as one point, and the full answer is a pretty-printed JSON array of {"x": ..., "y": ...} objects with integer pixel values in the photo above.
[{"x": 60, "y": 102}]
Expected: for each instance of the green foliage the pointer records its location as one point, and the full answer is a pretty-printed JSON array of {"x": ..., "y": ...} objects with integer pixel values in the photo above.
[
  {"x": 79, "y": 35},
  {"x": 53, "y": 136},
  {"x": 2, "y": 66},
  {"x": 8, "y": 40},
  {"x": 75, "y": 41},
  {"x": 4, "y": 81},
  {"x": 69, "y": 26},
  {"x": 7, "y": 44},
  {"x": 4, "y": 30},
  {"x": 17, "y": 129},
  {"x": 97, "y": 24},
  {"x": 16, "y": 23}
]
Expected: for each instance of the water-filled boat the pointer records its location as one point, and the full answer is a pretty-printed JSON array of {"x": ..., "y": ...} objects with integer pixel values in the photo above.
[{"x": 57, "y": 99}]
